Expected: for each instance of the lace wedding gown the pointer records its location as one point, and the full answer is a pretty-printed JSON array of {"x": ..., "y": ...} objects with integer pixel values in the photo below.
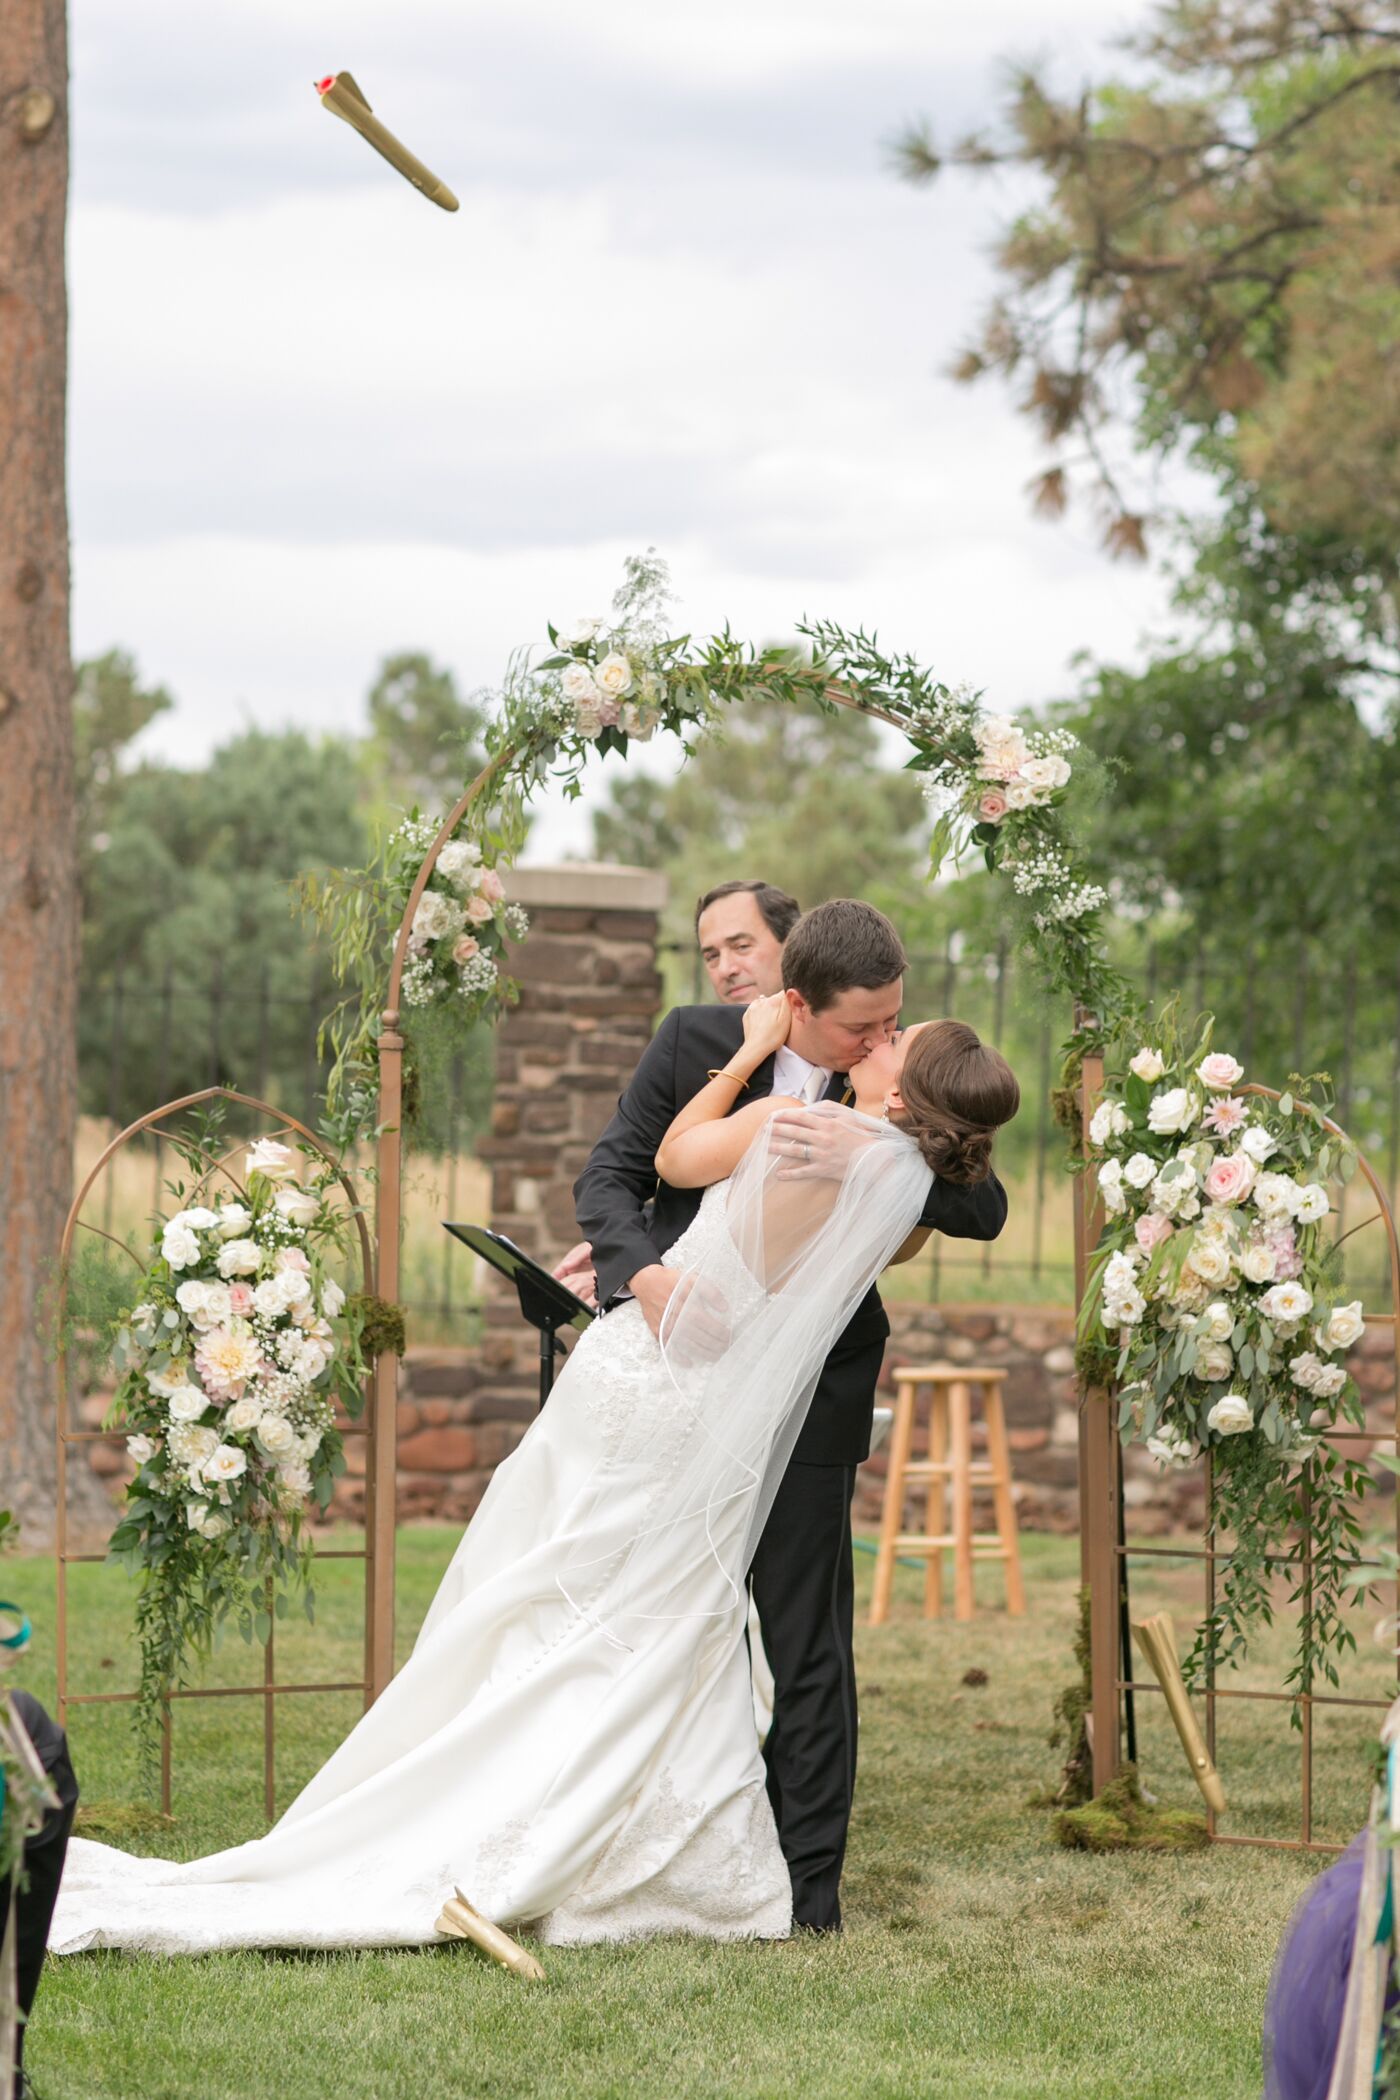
[{"x": 572, "y": 1740}]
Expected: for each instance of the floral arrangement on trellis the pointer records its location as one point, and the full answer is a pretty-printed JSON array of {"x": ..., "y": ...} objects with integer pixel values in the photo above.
[
  {"x": 230, "y": 1369},
  {"x": 1218, "y": 1294}
]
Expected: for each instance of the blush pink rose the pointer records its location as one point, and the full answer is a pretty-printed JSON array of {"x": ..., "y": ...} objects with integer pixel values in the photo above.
[
  {"x": 1219, "y": 1071},
  {"x": 1151, "y": 1230},
  {"x": 292, "y": 1258},
  {"x": 478, "y": 910},
  {"x": 240, "y": 1299},
  {"x": 492, "y": 886},
  {"x": 992, "y": 807},
  {"x": 464, "y": 948},
  {"x": 1225, "y": 1116},
  {"x": 1230, "y": 1179}
]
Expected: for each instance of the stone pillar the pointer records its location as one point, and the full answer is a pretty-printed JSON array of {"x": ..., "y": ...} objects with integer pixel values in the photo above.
[{"x": 590, "y": 990}]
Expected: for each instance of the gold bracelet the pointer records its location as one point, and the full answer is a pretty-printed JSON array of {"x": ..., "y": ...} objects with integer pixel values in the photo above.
[{"x": 718, "y": 1072}]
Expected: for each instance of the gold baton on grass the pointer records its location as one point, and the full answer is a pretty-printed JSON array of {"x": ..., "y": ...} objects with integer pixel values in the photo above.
[
  {"x": 457, "y": 1920},
  {"x": 343, "y": 97},
  {"x": 1157, "y": 1640}
]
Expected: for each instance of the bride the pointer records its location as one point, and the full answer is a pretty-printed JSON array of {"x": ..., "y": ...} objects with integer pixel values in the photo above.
[{"x": 572, "y": 1740}]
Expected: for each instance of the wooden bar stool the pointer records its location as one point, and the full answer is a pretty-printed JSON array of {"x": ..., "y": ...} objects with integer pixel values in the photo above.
[{"x": 950, "y": 1425}]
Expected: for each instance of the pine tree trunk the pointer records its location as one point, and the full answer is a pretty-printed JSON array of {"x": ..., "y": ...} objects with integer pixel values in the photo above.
[{"x": 38, "y": 872}]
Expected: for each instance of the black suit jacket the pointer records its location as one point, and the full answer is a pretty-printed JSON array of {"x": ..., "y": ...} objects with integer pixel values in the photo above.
[{"x": 620, "y": 1180}]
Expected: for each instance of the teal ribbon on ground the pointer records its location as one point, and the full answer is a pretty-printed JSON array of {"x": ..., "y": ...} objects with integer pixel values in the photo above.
[{"x": 20, "y": 1639}]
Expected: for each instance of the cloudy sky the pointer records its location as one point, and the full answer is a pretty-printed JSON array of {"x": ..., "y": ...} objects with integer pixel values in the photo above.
[{"x": 684, "y": 304}]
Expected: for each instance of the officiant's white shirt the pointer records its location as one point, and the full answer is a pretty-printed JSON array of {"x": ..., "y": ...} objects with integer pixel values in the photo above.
[{"x": 793, "y": 1075}]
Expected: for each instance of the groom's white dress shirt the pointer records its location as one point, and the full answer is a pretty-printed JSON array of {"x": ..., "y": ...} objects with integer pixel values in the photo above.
[{"x": 793, "y": 1075}]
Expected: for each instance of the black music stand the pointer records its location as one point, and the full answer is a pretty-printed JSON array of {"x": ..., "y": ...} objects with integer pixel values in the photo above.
[{"x": 544, "y": 1302}]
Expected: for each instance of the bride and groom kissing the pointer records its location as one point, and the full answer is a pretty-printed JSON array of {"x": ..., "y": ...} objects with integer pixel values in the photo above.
[{"x": 572, "y": 1741}]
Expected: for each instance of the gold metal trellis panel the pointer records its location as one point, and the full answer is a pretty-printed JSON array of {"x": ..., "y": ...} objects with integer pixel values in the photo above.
[{"x": 378, "y": 1657}]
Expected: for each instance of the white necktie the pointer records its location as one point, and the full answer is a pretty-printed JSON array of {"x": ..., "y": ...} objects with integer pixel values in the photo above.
[{"x": 815, "y": 1085}]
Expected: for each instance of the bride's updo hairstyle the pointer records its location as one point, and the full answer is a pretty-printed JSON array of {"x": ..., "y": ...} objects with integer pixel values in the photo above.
[{"x": 957, "y": 1092}]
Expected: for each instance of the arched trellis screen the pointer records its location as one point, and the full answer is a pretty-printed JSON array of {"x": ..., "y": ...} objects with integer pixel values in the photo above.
[
  {"x": 1104, "y": 1550},
  {"x": 379, "y": 1485}
]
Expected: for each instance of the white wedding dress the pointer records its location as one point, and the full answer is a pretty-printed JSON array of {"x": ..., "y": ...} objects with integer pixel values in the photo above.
[{"x": 572, "y": 1741}]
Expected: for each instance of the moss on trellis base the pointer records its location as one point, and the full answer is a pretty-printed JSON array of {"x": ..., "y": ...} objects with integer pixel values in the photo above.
[
  {"x": 379, "y": 1324},
  {"x": 1120, "y": 1820}
]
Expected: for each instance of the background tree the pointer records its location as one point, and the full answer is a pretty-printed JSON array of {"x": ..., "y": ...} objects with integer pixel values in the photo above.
[
  {"x": 424, "y": 739},
  {"x": 38, "y": 871}
]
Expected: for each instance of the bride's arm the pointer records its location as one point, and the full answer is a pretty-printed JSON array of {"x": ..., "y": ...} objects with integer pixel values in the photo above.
[{"x": 705, "y": 1142}]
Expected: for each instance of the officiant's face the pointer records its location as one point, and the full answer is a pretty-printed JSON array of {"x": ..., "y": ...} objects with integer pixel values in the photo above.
[{"x": 743, "y": 957}]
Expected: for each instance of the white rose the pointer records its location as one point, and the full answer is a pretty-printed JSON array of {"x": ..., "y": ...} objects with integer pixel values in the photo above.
[
  {"x": 309, "y": 1443},
  {"x": 295, "y": 1476},
  {"x": 244, "y": 1414},
  {"x": 276, "y": 1435},
  {"x": 1019, "y": 794},
  {"x": 578, "y": 632},
  {"x": 1209, "y": 1259},
  {"x": 614, "y": 676},
  {"x": 1175, "y": 1110},
  {"x": 1329, "y": 1381},
  {"x": 1312, "y": 1203},
  {"x": 1140, "y": 1170},
  {"x": 180, "y": 1246},
  {"x": 1046, "y": 774},
  {"x": 1214, "y": 1361},
  {"x": 580, "y": 686},
  {"x": 1003, "y": 747},
  {"x": 234, "y": 1219},
  {"x": 1344, "y": 1326},
  {"x": 1258, "y": 1262},
  {"x": 270, "y": 1298},
  {"x": 188, "y": 1404},
  {"x": 198, "y": 1219},
  {"x": 239, "y": 1258},
  {"x": 297, "y": 1206},
  {"x": 332, "y": 1299},
  {"x": 437, "y": 918},
  {"x": 1230, "y": 1415},
  {"x": 205, "y": 1305},
  {"x": 1147, "y": 1065},
  {"x": 226, "y": 1463},
  {"x": 1217, "y": 1322},
  {"x": 459, "y": 863},
  {"x": 1275, "y": 1196},
  {"x": 1288, "y": 1302},
  {"x": 1305, "y": 1369},
  {"x": 1258, "y": 1144},
  {"x": 1124, "y": 1309},
  {"x": 1171, "y": 1450},
  {"x": 140, "y": 1448},
  {"x": 1109, "y": 1120},
  {"x": 267, "y": 1157}
]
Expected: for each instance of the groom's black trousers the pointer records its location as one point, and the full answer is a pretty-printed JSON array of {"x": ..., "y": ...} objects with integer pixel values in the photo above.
[
  {"x": 804, "y": 1590},
  {"x": 43, "y": 1856}
]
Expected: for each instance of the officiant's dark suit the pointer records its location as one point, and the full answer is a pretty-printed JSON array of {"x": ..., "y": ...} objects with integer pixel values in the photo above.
[{"x": 802, "y": 1580}]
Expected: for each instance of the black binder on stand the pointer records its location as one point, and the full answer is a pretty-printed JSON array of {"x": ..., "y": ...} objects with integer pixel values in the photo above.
[{"x": 545, "y": 1303}]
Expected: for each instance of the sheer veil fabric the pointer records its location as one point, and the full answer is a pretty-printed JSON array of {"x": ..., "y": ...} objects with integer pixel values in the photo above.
[{"x": 572, "y": 1740}]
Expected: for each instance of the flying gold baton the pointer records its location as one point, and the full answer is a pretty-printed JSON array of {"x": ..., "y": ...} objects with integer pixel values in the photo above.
[
  {"x": 341, "y": 95},
  {"x": 1157, "y": 1640}
]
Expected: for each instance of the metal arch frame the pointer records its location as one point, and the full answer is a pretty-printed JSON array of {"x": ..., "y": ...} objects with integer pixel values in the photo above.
[
  {"x": 378, "y": 1631},
  {"x": 1103, "y": 1557}
]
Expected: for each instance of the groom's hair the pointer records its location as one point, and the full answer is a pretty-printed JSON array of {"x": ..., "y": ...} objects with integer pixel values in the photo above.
[
  {"x": 779, "y": 912},
  {"x": 841, "y": 947}
]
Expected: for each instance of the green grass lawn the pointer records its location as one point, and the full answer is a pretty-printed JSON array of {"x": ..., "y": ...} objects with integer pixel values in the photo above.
[{"x": 980, "y": 1960}]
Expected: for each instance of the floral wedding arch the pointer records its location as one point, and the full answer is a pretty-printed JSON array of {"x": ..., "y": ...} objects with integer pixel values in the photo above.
[{"x": 1211, "y": 1300}]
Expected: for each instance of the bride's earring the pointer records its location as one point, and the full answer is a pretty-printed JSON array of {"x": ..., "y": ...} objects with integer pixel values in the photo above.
[{"x": 885, "y": 1113}]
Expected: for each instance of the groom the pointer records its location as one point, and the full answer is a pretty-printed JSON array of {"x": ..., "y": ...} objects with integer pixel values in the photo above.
[{"x": 843, "y": 973}]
